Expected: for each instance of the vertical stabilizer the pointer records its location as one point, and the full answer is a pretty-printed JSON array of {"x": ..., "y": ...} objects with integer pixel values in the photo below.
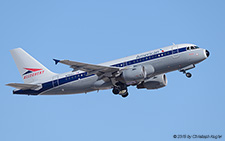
[{"x": 30, "y": 69}]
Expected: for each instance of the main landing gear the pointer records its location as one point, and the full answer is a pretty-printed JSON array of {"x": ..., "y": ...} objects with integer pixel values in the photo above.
[{"x": 120, "y": 89}]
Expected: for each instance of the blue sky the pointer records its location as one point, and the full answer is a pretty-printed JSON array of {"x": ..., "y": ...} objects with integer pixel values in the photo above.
[{"x": 100, "y": 31}]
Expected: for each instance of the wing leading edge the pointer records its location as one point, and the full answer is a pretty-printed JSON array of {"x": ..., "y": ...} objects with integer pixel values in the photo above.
[{"x": 89, "y": 68}]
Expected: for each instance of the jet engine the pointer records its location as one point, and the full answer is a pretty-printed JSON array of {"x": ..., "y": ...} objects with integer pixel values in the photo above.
[
  {"x": 136, "y": 74},
  {"x": 155, "y": 82}
]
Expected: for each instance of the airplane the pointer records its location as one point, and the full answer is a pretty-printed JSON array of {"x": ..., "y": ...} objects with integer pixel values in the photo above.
[{"x": 145, "y": 71}]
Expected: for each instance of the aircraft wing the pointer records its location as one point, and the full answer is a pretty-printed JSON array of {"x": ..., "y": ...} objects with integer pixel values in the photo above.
[
  {"x": 24, "y": 86},
  {"x": 89, "y": 68}
]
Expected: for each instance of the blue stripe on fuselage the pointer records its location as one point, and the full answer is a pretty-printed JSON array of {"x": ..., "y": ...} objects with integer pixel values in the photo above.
[
  {"x": 67, "y": 79},
  {"x": 151, "y": 57}
]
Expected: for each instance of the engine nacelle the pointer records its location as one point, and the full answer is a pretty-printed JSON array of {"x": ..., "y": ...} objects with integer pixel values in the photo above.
[
  {"x": 149, "y": 70},
  {"x": 155, "y": 82},
  {"x": 137, "y": 74}
]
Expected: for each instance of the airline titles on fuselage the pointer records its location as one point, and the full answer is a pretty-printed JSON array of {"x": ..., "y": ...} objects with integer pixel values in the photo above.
[{"x": 149, "y": 54}]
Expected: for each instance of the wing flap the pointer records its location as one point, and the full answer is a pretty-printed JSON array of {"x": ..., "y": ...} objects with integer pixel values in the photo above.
[{"x": 24, "y": 86}]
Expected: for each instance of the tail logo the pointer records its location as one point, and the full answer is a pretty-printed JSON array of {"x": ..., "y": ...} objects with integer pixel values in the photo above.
[{"x": 31, "y": 72}]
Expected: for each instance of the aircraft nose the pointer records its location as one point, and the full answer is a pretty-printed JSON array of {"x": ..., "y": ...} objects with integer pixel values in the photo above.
[{"x": 207, "y": 53}]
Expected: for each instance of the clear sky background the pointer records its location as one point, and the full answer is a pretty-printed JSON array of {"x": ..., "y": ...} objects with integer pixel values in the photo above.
[{"x": 100, "y": 31}]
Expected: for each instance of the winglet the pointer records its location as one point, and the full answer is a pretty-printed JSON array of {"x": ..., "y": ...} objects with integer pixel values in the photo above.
[{"x": 56, "y": 61}]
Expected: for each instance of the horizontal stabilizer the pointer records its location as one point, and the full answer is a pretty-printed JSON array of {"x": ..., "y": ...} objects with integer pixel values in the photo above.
[{"x": 24, "y": 86}]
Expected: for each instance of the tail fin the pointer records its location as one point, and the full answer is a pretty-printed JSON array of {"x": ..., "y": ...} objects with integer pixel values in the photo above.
[{"x": 30, "y": 69}]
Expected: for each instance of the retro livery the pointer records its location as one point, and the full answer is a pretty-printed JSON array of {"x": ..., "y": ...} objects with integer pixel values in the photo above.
[{"x": 145, "y": 71}]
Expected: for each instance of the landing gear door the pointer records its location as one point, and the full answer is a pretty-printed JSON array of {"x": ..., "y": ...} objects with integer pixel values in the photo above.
[
  {"x": 175, "y": 52},
  {"x": 55, "y": 81}
]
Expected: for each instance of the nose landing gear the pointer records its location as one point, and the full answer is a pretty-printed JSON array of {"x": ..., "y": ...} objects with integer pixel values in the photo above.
[{"x": 188, "y": 74}]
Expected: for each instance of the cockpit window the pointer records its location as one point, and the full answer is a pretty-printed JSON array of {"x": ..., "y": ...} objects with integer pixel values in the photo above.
[
  {"x": 196, "y": 47},
  {"x": 192, "y": 47}
]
